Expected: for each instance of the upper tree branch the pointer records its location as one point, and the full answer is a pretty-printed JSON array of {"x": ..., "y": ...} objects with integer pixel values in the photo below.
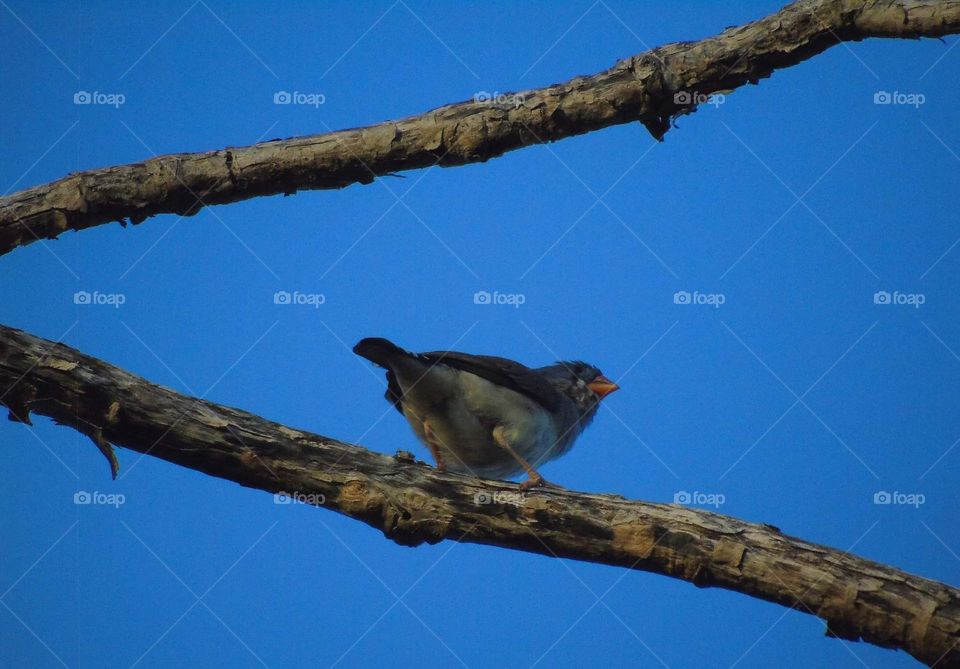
[
  {"x": 640, "y": 88},
  {"x": 413, "y": 503}
]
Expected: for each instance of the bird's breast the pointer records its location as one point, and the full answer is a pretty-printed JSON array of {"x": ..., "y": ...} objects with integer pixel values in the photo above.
[{"x": 462, "y": 420}]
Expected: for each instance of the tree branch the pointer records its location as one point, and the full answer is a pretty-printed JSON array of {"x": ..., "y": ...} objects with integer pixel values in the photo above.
[
  {"x": 640, "y": 88},
  {"x": 413, "y": 503}
]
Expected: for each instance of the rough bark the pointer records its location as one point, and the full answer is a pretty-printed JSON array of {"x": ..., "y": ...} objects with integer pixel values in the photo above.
[
  {"x": 413, "y": 503},
  {"x": 640, "y": 88}
]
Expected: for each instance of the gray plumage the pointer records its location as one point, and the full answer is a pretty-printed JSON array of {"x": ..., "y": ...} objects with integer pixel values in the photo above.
[{"x": 464, "y": 398}]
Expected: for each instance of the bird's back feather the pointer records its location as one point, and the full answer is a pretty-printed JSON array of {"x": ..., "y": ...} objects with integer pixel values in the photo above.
[{"x": 503, "y": 372}]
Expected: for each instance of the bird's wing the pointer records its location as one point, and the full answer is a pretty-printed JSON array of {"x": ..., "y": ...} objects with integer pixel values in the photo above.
[{"x": 503, "y": 372}]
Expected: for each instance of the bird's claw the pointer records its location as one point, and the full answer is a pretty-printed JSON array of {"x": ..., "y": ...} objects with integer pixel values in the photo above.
[
  {"x": 433, "y": 445},
  {"x": 535, "y": 481}
]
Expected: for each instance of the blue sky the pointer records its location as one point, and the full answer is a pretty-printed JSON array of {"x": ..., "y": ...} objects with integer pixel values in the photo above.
[{"x": 799, "y": 204}]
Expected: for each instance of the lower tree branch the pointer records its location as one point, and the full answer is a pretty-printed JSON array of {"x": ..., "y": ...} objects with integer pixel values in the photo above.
[
  {"x": 653, "y": 88},
  {"x": 413, "y": 503}
]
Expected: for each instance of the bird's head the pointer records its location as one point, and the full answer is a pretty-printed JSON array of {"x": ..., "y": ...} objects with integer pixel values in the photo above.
[{"x": 582, "y": 383}]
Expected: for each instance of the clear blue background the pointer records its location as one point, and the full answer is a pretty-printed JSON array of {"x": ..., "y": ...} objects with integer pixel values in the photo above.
[{"x": 709, "y": 399}]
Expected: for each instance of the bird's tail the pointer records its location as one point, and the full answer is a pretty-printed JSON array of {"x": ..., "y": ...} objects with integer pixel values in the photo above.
[{"x": 378, "y": 350}]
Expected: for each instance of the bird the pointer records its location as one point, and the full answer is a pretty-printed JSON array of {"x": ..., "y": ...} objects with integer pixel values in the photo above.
[{"x": 485, "y": 415}]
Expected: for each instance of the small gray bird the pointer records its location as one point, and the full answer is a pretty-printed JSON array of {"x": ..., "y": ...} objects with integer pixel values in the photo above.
[{"x": 489, "y": 416}]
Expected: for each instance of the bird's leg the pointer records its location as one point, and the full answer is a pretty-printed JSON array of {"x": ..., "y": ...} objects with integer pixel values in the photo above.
[
  {"x": 535, "y": 478},
  {"x": 434, "y": 447}
]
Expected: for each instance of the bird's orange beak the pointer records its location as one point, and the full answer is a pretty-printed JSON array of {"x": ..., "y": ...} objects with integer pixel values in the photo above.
[{"x": 602, "y": 386}]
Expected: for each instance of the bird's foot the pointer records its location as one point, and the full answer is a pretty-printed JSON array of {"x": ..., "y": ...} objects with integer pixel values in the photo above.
[
  {"x": 438, "y": 458},
  {"x": 434, "y": 448},
  {"x": 535, "y": 481}
]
